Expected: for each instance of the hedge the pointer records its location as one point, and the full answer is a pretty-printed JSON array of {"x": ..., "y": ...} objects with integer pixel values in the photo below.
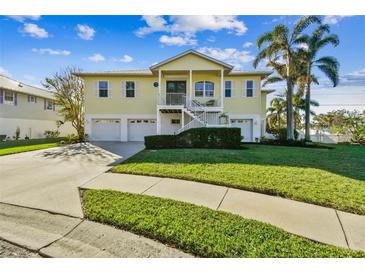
[{"x": 207, "y": 137}]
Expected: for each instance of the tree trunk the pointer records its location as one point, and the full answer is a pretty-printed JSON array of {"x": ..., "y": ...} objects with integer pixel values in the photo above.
[
  {"x": 289, "y": 109},
  {"x": 307, "y": 108}
]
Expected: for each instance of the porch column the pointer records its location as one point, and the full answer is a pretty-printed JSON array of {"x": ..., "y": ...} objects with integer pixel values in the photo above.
[
  {"x": 182, "y": 118},
  {"x": 190, "y": 84},
  {"x": 158, "y": 122},
  {"x": 159, "y": 82},
  {"x": 222, "y": 87}
]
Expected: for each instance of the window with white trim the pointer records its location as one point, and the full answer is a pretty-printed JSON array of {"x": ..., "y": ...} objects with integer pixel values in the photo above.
[
  {"x": 130, "y": 89},
  {"x": 228, "y": 89},
  {"x": 49, "y": 105},
  {"x": 103, "y": 89},
  {"x": 249, "y": 88},
  {"x": 31, "y": 99},
  {"x": 204, "y": 89},
  {"x": 9, "y": 97}
]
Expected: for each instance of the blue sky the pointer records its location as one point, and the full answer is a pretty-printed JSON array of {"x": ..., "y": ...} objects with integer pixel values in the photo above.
[{"x": 33, "y": 47}]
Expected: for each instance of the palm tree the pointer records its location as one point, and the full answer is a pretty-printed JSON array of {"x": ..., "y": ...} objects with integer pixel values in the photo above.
[
  {"x": 327, "y": 64},
  {"x": 281, "y": 46},
  {"x": 275, "y": 112},
  {"x": 299, "y": 105}
]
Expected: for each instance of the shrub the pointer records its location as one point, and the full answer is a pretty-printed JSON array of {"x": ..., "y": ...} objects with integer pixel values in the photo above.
[
  {"x": 281, "y": 134},
  {"x": 51, "y": 133},
  {"x": 197, "y": 138},
  {"x": 17, "y": 133},
  {"x": 160, "y": 141}
]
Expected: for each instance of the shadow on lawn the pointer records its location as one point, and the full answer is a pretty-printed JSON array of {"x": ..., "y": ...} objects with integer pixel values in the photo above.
[{"x": 344, "y": 160}]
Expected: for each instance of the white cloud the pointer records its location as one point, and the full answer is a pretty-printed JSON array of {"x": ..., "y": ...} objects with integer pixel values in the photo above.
[
  {"x": 247, "y": 45},
  {"x": 85, "y": 32},
  {"x": 126, "y": 59},
  {"x": 183, "y": 28},
  {"x": 177, "y": 40},
  {"x": 211, "y": 39},
  {"x": 22, "y": 18},
  {"x": 229, "y": 55},
  {"x": 35, "y": 31},
  {"x": 52, "y": 51},
  {"x": 356, "y": 78},
  {"x": 333, "y": 19},
  {"x": 97, "y": 57},
  {"x": 4, "y": 72}
]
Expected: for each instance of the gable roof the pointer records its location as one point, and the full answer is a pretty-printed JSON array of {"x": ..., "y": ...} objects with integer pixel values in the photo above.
[
  {"x": 14, "y": 85},
  {"x": 191, "y": 51}
]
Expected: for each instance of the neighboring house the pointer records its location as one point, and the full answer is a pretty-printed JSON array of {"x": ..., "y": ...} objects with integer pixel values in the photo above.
[
  {"x": 186, "y": 91},
  {"x": 30, "y": 108}
]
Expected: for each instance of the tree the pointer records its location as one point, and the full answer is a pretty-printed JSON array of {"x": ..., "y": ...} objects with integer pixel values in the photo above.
[
  {"x": 327, "y": 64},
  {"x": 282, "y": 44},
  {"x": 69, "y": 94},
  {"x": 275, "y": 113}
]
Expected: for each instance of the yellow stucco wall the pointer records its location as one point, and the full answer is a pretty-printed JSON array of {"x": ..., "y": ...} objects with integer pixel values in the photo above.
[
  {"x": 191, "y": 61},
  {"x": 146, "y": 99}
]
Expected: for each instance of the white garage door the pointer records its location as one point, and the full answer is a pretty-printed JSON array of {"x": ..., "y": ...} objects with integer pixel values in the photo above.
[
  {"x": 138, "y": 128},
  {"x": 246, "y": 128},
  {"x": 105, "y": 129}
]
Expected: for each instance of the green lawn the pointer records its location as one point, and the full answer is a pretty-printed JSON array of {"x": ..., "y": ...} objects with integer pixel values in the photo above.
[
  {"x": 17, "y": 146},
  {"x": 198, "y": 230},
  {"x": 328, "y": 177}
]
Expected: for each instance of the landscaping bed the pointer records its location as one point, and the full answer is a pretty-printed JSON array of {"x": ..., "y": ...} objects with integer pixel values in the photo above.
[
  {"x": 333, "y": 178},
  {"x": 198, "y": 230}
]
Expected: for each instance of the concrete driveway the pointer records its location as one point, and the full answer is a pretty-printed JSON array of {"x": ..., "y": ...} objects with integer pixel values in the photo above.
[{"x": 49, "y": 179}]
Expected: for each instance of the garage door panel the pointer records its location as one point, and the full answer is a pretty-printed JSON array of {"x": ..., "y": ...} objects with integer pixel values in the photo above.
[
  {"x": 138, "y": 128},
  {"x": 246, "y": 126},
  {"x": 106, "y": 130}
]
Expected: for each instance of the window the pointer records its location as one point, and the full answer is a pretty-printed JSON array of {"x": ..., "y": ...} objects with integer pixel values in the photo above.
[
  {"x": 49, "y": 105},
  {"x": 228, "y": 89},
  {"x": 9, "y": 98},
  {"x": 249, "y": 88},
  {"x": 130, "y": 89},
  {"x": 199, "y": 89},
  {"x": 103, "y": 89},
  {"x": 32, "y": 99},
  {"x": 204, "y": 88},
  {"x": 175, "y": 121},
  {"x": 209, "y": 89}
]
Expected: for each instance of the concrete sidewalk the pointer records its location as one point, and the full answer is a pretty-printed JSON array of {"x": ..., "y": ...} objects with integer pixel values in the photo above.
[
  {"x": 59, "y": 236},
  {"x": 318, "y": 223}
]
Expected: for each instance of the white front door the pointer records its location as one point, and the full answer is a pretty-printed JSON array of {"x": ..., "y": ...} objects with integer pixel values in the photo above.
[
  {"x": 138, "y": 128},
  {"x": 105, "y": 129},
  {"x": 246, "y": 128}
]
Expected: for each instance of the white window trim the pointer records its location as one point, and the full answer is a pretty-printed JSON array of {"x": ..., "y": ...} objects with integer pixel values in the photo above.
[
  {"x": 125, "y": 89},
  {"x": 108, "y": 89},
  {"x": 6, "y": 102},
  {"x": 225, "y": 88},
  {"x": 204, "y": 89},
  {"x": 47, "y": 103},
  {"x": 244, "y": 89},
  {"x": 30, "y": 101}
]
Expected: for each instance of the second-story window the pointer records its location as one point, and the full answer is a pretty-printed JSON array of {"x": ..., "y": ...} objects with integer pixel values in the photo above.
[
  {"x": 204, "y": 89},
  {"x": 228, "y": 89},
  {"x": 209, "y": 89},
  {"x": 130, "y": 89},
  {"x": 249, "y": 88},
  {"x": 103, "y": 89},
  {"x": 49, "y": 105},
  {"x": 9, "y": 98},
  {"x": 32, "y": 99}
]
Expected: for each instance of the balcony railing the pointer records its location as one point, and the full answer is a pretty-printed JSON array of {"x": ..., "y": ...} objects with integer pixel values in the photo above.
[{"x": 180, "y": 99}]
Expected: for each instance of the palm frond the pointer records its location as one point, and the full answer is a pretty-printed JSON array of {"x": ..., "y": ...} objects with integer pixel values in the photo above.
[
  {"x": 303, "y": 23},
  {"x": 264, "y": 38},
  {"x": 272, "y": 80}
]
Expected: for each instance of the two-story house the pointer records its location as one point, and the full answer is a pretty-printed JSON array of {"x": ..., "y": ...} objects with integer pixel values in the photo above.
[
  {"x": 28, "y": 108},
  {"x": 185, "y": 91}
]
